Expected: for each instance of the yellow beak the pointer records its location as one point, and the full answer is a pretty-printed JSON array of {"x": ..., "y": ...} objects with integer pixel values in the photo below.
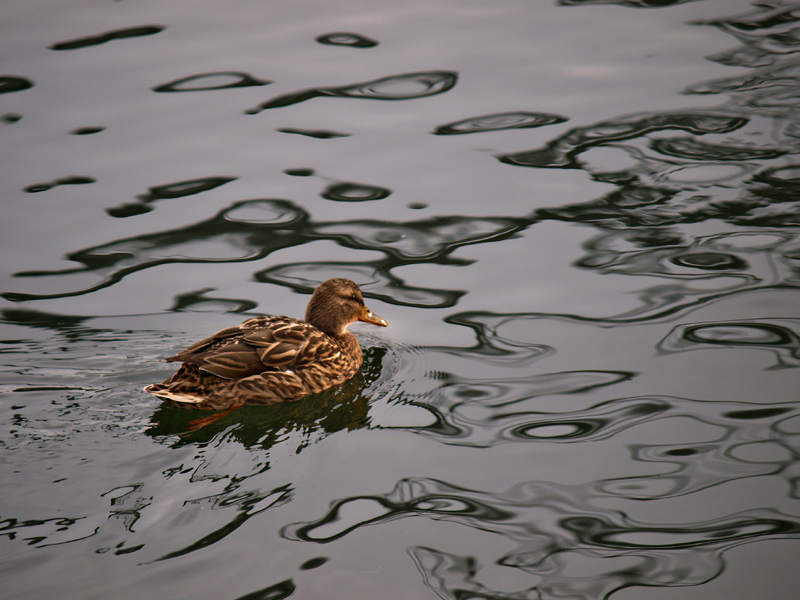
[{"x": 370, "y": 317}]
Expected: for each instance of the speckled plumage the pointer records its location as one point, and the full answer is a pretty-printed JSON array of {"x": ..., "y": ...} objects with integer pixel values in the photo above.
[{"x": 267, "y": 360}]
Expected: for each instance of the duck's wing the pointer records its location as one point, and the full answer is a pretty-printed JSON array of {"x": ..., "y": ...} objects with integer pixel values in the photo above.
[{"x": 258, "y": 345}]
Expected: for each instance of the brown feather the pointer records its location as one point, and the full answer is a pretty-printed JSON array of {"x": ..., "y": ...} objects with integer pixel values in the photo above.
[{"x": 272, "y": 359}]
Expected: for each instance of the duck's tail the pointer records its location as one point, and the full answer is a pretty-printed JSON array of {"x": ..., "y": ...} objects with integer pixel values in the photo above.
[
  {"x": 175, "y": 398},
  {"x": 190, "y": 388}
]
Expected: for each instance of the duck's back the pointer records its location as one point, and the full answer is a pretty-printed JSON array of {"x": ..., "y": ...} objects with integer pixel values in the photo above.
[{"x": 259, "y": 344}]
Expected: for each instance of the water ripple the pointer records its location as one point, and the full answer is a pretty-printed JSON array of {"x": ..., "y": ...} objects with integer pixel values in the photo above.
[
  {"x": 560, "y": 535},
  {"x": 353, "y": 40},
  {"x": 779, "y": 336},
  {"x": 693, "y": 149},
  {"x": 87, "y": 130},
  {"x": 375, "y": 281},
  {"x": 320, "y": 134},
  {"x": 117, "y": 34},
  {"x": 564, "y": 150},
  {"x": 631, "y": 3},
  {"x": 49, "y": 185},
  {"x": 355, "y": 192},
  {"x": 178, "y": 189},
  {"x": 199, "y": 300},
  {"x": 407, "y": 86},
  {"x": 12, "y": 83},
  {"x": 499, "y": 121},
  {"x": 253, "y": 229},
  {"x": 695, "y": 272},
  {"x": 219, "y": 80}
]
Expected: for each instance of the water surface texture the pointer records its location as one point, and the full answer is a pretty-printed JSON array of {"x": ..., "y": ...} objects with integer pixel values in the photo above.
[{"x": 581, "y": 219}]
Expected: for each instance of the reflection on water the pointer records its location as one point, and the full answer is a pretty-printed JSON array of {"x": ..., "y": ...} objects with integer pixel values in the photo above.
[
  {"x": 119, "y": 34},
  {"x": 497, "y": 122},
  {"x": 211, "y": 81},
  {"x": 43, "y": 187},
  {"x": 780, "y": 336},
  {"x": 552, "y": 430},
  {"x": 559, "y": 534},
  {"x": 408, "y": 86},
  {"x": 253, "y": 229},
  {"x": 320, "y": 134},
  {"x": 170, "y": 190},
  {"x": 353, "y": 40},
  {"x": 12, "y": 83}
]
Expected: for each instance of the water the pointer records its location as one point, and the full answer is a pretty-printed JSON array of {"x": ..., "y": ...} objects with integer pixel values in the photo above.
[{"x": 580, "y": 219}]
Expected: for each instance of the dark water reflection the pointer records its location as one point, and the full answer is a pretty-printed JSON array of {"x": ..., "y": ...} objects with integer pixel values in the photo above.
[
  {"x": 408, "y": 86},
  {"x": 253, "y": 229},
  {"x": 618, "y": 412},
  {"x": 353, "y": 40},
  {"x": 554, "y": 528},
  {"x": 211, "y": 81},
  {"x": 12, "y": 83},
  {"x": 119, "y": 34}
]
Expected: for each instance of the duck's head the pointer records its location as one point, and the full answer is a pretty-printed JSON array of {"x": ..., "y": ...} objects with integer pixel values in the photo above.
[{"x": 337, "y": 303}]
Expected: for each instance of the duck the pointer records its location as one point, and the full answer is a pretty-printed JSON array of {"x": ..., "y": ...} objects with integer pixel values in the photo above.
[{"x": 268, "y": 360}]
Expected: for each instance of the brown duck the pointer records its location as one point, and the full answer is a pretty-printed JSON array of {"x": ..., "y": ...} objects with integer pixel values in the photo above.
[{"x": 267, "y": 360}]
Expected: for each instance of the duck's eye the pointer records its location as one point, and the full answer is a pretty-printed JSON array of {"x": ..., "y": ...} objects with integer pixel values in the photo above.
[{"x": 353, "y": 297}]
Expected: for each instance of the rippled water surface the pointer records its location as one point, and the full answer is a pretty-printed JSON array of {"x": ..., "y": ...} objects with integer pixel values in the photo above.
[{"x": 581, "y": 219}]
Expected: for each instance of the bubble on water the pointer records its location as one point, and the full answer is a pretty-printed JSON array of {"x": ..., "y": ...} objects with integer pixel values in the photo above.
[
  {"x": 499, "y": 121},
  {"x": 353, "y": 40}
]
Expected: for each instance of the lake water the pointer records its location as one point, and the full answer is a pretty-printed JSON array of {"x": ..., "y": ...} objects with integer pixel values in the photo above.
[{"x": 580, "y": 219}]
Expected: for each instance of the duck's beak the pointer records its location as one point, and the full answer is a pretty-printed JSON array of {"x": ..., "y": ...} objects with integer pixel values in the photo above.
[{"x": 370, "y": 317}]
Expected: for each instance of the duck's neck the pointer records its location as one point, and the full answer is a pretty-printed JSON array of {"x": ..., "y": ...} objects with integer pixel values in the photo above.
[{"x": 350, "y": 346}]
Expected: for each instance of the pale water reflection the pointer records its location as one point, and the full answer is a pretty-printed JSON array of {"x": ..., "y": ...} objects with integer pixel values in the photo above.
[{"x": 581, "y": 217}]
